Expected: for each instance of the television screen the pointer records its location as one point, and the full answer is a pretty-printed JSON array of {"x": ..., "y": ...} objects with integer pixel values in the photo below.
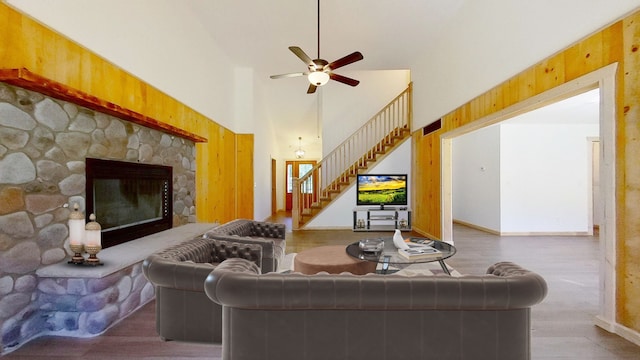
[{"x": 382, "y": 189}]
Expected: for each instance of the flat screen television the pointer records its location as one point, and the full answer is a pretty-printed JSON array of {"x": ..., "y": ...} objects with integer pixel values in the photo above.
[{"x": 382, "y": 189}]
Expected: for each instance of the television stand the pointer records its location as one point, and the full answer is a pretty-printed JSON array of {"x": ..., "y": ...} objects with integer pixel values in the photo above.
[{"x": 382, "y": 218}]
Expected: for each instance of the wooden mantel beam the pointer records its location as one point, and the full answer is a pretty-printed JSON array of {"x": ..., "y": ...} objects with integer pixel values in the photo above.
[{"x": 28, "y": 80}]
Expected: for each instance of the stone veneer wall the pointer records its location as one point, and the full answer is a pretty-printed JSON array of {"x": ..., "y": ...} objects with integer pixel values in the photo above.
[{"x": 43, "y": 146}]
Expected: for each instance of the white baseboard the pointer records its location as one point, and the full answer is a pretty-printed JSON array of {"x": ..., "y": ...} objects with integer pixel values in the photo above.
[
  {"x": 521, "y": 233},
  {"x": 615, "y": 328}
]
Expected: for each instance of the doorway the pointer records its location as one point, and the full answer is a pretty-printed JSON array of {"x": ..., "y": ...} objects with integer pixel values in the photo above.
[
  {"x": 297, "y": 169},
  {"x": 605, "y": 80}
]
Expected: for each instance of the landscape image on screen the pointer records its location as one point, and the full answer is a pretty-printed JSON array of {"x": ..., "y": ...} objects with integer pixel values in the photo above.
[{"x": 382, "y": 189}]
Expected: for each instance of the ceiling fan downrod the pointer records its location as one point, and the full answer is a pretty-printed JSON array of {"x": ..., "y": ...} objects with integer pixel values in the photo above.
[{"x": 318, "y": 29}]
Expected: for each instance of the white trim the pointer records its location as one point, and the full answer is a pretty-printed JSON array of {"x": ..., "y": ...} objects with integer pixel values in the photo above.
[
  {"x": 604, "y": 79},
  {"x": 629, "y": 334},
  {"x": 589, "y": 175}
]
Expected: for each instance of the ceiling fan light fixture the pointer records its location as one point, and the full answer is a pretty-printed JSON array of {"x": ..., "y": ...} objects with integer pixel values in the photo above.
[{"x": 318, "y": 78}]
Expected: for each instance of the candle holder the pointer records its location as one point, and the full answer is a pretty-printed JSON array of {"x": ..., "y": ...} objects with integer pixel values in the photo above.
[
  {"x": 93, "y": 243},
  {"x": 77, "y": 258},
  {"x": 92, "y": 250},
  {"x": 76, "y": 235}
]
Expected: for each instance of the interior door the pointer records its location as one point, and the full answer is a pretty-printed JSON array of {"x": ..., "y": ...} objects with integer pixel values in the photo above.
[{"x": 296, "y": 169}]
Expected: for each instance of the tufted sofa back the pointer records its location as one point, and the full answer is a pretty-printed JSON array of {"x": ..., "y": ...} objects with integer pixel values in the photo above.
[
  {"x": 271, "y": 236},
  {"x": 364, "y": 317}
]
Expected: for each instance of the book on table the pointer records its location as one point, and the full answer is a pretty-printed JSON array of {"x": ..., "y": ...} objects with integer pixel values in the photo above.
[{"x": 420, "y": 252}]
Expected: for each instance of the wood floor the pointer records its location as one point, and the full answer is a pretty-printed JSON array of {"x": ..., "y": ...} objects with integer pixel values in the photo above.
[{"x": 562, "y": 326}]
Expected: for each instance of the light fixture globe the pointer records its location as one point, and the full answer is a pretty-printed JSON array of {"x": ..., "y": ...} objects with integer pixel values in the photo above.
[
  {"x": 318, "y": 78},
  {"x": 299, "y": 152}
]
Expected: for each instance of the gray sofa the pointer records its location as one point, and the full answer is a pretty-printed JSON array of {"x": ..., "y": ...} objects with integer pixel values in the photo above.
[
  {"x": 271, "y": 236},
  {"x": 323, "y": 316},
  {"x": 183, "y": 310}
]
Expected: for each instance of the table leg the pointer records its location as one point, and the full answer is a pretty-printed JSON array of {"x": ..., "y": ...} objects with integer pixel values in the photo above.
[{"x": 444, "y": 267}]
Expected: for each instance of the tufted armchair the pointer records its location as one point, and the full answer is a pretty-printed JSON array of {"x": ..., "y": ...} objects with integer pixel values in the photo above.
[
  {"x": 183, "y": 310},
  {"x": 271, "y": 236}
]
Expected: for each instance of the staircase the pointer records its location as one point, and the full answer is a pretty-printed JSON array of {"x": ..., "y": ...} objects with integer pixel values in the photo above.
[{"x": 337, "y": 171}]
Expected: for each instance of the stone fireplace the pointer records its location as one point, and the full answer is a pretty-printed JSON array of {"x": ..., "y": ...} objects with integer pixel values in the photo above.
[{"x": 44, "y": 144}]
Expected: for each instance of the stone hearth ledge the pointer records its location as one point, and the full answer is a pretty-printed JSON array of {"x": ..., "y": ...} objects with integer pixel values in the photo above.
[{"x": 124, "y": 255}]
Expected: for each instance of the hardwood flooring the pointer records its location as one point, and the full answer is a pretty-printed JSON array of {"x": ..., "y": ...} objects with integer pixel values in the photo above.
[{"x": 562, "y": 326}]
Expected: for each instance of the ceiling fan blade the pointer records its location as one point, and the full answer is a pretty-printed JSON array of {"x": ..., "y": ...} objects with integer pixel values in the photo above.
[
  {"x": 344, "y": 79},
  {"x": 289, "y": 75},
  {"x": 312, "y": 89},
  {"x": 303, "y": 56},
  {"x": 351, "y": 58}
]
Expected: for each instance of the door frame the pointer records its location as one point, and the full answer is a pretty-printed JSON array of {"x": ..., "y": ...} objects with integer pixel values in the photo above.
[
  {"x": 274, "y": 172},
  {"x": 604, "y": 79},
  {"x": 288, "y": 200}
]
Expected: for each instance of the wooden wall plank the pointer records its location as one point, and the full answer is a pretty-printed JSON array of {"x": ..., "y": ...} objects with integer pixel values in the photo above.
[
  {"x": 620, "y": 43},
  {"x": 629, "y": 179},
  {"x": 26, "y": 44},
  {"x": 244, "y": 167}
]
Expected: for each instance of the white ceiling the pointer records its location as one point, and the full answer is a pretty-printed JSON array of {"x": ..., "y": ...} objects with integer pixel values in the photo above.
[{"x": 390, "y": 34}]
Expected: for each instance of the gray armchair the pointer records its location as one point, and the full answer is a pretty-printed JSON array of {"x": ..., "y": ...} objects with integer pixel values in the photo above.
[
  {"x": 271, "y": 236},
  {"x": 183, "y": 310}
]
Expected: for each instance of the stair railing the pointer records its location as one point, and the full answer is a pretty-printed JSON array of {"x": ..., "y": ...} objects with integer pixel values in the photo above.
[{"x": 344, "y": 162}]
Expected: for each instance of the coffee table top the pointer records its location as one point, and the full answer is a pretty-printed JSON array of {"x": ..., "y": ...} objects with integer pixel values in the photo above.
[{"x": 394, "y": 258}]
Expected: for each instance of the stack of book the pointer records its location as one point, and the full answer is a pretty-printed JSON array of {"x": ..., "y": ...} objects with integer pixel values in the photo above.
[{"x": 420, "y": 252}]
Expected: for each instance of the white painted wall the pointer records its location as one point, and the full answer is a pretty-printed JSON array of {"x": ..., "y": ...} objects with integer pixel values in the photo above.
[
  {"x": 345, "y": 109},
  {"x": 487, "y": 42},
  {"x": 340, "y": 214},
  {"x": 476, "y": 178},
  {"x": 545, "y": 178},
  {"x": 186, "y": 64},
  {"x": 536, "y": 178}
]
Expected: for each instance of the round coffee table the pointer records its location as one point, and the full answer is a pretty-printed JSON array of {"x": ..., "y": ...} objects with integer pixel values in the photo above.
[
  {"x": 389, "y": 254},
  {"x": 332, "y": 259}
]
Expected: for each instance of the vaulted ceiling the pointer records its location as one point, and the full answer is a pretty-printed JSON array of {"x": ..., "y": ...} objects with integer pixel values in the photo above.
[
  {"x": 484, "y": 42},
  {"x": 390, "y": 34}
]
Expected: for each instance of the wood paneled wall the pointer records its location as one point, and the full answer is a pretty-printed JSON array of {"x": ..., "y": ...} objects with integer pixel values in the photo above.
[
  {"x": 620, "y": 43},
  {"x": 24, "y": 43}
]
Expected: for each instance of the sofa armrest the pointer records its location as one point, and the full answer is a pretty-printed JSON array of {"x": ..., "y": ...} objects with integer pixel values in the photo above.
[{"x": 236, "y": 267}]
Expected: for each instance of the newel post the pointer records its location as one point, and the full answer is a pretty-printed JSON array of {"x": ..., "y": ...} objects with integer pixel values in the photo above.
[{"x": 295, "y": 204}]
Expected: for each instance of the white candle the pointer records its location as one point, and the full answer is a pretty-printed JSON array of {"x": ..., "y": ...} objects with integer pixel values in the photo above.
[
  {"x": 93, "y": 232},
  {"x": 76, "y": 226}
]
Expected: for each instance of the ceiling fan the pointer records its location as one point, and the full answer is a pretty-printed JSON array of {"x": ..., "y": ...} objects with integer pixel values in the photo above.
[{"x": 320, "y": 70}]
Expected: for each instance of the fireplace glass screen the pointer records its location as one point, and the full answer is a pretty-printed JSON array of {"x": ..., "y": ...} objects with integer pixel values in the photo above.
[
  {"x": 130, "y": 200},
  {"x": 124, "y": 202}
]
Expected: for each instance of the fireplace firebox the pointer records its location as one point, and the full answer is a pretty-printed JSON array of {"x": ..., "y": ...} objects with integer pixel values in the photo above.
[{"x": 130, "y": 200}]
